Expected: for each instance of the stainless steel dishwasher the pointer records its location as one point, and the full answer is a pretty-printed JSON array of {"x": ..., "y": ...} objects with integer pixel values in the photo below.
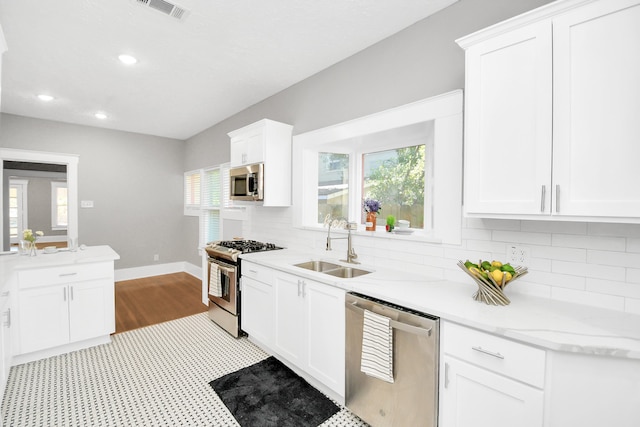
[{"x": 412, "y": 399}]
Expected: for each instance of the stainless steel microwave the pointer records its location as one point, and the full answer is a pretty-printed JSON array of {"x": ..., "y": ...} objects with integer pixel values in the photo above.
[{"x": 247, "y": 182}]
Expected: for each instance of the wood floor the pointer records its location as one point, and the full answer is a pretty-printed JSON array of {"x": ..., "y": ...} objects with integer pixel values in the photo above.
[{"x": 151, "y": 300}]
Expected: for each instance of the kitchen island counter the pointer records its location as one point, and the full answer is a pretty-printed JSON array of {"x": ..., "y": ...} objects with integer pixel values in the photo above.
[{"x": 547, "y": 323}]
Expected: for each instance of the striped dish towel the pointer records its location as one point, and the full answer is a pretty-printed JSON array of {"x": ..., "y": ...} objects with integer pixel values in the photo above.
[
  {"x": 215, "y": 288},
  {"x": 377, "y": 347}
]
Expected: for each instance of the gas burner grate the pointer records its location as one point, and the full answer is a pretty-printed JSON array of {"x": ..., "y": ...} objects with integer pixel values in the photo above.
[{"x": 246, "y": 246}]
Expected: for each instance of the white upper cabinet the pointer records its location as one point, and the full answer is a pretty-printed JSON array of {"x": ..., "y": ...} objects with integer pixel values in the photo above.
[
  {"x": 596, "y": 145},
  {"x": 268, "y": 142},
  {"x": 551, "y": 114}
]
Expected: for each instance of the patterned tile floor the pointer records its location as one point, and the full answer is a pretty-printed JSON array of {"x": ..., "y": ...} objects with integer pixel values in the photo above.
[{"x": 153, "y": 376}]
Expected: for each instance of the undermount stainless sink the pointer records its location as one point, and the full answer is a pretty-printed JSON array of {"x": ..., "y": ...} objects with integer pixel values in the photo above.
[
  {"x": 347, "y": 272},
  {"x": 332, "y": 269},
  {"x": 320, "y": 266}
]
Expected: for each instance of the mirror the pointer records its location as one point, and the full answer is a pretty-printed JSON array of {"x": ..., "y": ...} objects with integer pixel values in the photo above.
[{"x": 47, "y": 171}]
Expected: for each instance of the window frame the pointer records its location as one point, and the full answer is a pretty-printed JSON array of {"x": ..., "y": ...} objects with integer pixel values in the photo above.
[
  {"x": 202, "y": 209},
  {"x": 444, "y": 184},
  {"x": 55, "y": 185}
]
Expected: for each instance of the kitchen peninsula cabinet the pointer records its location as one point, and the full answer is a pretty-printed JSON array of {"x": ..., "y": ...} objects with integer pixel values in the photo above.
[
  {"x": 310, "y": 328},
  {"x": 63, "y": 308},
  {"x": 551, "y": 114},
  {"x": 268, "y": 142}
]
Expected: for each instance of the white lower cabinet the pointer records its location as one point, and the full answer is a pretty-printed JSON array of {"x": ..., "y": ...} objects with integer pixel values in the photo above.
[
  {"x": 257, "y": 310},
  {"x": 310, "y": 328},
  {"x": 64, "y": 305},
  {"x": 5, "y": 338},
  {"x": 489, "y": 381}
]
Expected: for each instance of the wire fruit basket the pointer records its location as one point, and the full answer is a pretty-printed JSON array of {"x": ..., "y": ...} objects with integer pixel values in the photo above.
[{"x": 491, "y": 285}]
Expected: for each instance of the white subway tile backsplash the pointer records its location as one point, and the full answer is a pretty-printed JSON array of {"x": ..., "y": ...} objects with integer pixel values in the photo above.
[
  {"x": 609, "y": 229},
  {"x": 587, "y": 263},
  {"x": 561, "y": 280},
  {"x": 522, "y": 237},
  {"x": 633, "y": 245},
  {"x": 497, "y": 248},
  {"x": 589, "y": 298},
  {"x": 633, "y": 275},
  {"x": 622, "y": 259},
  {"x": 555, "y": 227},
  {"x": 631, "y": 290},
  {"x": 559, "y": 253},
  {"x": 476, "y": 234},
  {"x": 632, "y": 305},
  {"x": 589, "y": 242},
  {"x": 588, "y": 270}
]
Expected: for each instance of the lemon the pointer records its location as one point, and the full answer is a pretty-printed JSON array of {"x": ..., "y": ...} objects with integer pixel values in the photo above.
[
  {"x": 497, "y": 276},
  {"x": 495, "y": 263},
  {"x": 507, "y": 276}
]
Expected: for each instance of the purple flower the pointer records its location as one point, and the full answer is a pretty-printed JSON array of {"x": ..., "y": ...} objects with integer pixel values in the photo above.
[{"x": 371, "y": 205}]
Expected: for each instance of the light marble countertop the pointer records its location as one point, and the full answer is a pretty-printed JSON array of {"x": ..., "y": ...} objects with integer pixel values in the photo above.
[{"x": 546, "y": 323}]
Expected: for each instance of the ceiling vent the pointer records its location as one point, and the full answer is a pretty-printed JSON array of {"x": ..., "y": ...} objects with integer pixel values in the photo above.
[{"x": 165, "y": 7}]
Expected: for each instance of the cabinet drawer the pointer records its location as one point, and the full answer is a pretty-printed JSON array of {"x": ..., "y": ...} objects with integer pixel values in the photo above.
[
  {"x": 257, "y": 272},
  {"x": 500, "y": 355},
  {"x": 64, "y": 274}
]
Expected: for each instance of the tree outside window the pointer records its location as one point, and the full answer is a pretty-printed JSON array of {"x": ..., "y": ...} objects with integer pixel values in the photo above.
[{"x": 397, "y": 179}]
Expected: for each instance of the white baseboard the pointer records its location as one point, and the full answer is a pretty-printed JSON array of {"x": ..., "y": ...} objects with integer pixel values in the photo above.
[{"x": 157, "y": 270}]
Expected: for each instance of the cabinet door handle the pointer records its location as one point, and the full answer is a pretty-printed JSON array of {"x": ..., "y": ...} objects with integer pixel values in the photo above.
[
  {"x": 71, "y": 293},
  {"x": 446, "y": 375},
  {"x": 490, "y": 353},
  {"x": 67, "y": 274},
  {"x": 303, "y": 285},
  {"x": 64, "y": 294},
  {"x": 298, "y": 287},
  {"x": 7, "y": 320},
  {"x": 542, "y": 197},
  {"x": 557, "y": 198}
]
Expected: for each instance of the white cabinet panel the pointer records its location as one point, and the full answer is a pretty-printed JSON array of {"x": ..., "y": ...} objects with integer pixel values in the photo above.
[
  {"x": 475, "y": 397},
  {"x": 89, "y": 309},
  {"x": 310, "y": 328},
  {"x": 43, "y": 318},
  {"x": 290, "y": 318},
  {"x": 257, "y": 309},
  {"x": 508, "y": 123},
  {"x": 552, "y": 114},
  {"x": 326, "y": 331},
  {"x": 597, "y": 105}
]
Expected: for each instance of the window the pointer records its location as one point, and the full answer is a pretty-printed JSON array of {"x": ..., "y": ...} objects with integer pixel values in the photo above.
[
  {"x": 394, "y": 176},
  {"x": 59, "y": 205},
  {"x": 409, "y": 158},
  {"x": 205, "y": 196},
  {"x": 333, "y": 185},
  {"x": 192, "y": 193},
  {"x": 17, "y": 208}
]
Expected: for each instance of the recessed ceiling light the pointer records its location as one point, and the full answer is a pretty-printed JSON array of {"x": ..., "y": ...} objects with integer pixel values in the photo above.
[
  {"x": 45, "y": 98},
  {"x": 127, "y": 59},
  {"x": 100, "y": 116}
]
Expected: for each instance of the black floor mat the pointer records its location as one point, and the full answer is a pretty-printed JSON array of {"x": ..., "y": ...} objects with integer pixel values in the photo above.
[{"x": 270, "y": 394}]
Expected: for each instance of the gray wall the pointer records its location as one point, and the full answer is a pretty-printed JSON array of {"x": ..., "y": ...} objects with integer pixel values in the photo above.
[
  {"x": 134, "y": 180},
  {"x": 418, "y": 62}
]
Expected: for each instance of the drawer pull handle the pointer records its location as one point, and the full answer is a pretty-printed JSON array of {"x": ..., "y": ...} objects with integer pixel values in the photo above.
[
  {"x": 253, "y": 271},
  {"x": 5, "y": 294},
  {"x": 490, "y": 353},
  {"x": 67, "y": 274}
]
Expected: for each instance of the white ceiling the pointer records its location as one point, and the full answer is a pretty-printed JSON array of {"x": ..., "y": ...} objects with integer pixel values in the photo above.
[{"x": 225, "y": 56}]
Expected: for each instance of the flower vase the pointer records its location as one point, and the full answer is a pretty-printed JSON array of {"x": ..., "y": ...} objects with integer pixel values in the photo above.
[
  {"x": 371, "y": 221},
  {"x": 33, "y": 249}
]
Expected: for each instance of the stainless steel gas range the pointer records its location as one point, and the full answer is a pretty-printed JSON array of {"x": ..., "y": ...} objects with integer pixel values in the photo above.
[{"x": 224, "y": 278}]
